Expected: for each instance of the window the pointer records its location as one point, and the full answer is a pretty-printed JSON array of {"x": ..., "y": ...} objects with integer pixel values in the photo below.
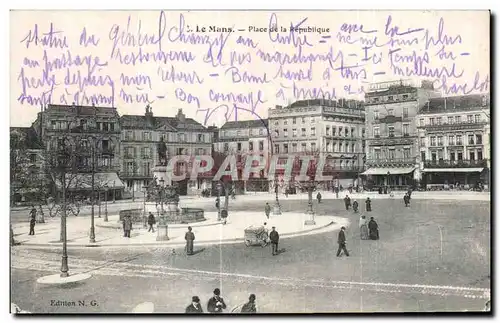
[
  {"x": 294, "y": 120},
  {"x": 303, "y": 132},
  {"x": 276, "y": 133},
  {"x": 276, "y": 123},
  {"x": 438, "y": 121},
  {"x": 276, "y": 149},
  {"x": 182, "y": 137},
  {"x": 341, "y": 147},
  {"x": 452, "y": 155},
  {"x": 471, "y": 139},
  {"x": 472, "y": 155},
  {"x": 303, "y": 120},
  {"x": 346, "y": 147},
  {"x": 334, "y": 131},
  {"x": 459, "y": 156},
  {"x": 458, "y": 119},
  {"x": 261, "y": 145},
  {"x": 334, "y": 147},
  {"x": 285, "y": 148},
  {"x": 238, "y": 133},
  {"x": 422, "y": 142},
  {"x": 294, "y": 132},
  {"x": 250, "y": 145},
  {"x": 375, "y": 115},
  {"x": 376, "y": 132},
  {"x": 226, "y": 147},
  {"x": 327, "y": 131},
  {"x": 479, "y": 155},
  {"x": 313, "y": 131},
  {"x": 105, "y": 126},
  {"x": 390, "y": 112},
  {"x": 180, "y": 151},
  {"x": 406, "y": 153},
  {"x": 129, "y": 135},
  {"x": 440, "y": 140},
  {"x": 313, "y": 120},
  {"x": 285, "y": 132},
  {"x": 352, "y": 132},
  {"x": 433, "y": 141},
  {"x": 451, "y": 140},
  {"x": 422, "y": 155},
  {"x": 346, "y": 132},
  {"x": 261, "y": 132},
  {"x": 363, "y": 133},
  {"x": 201, "y": 138},
  {"x": 304, "y": 146},
  {"x": 422, "y": 122},
  {"x": 105, "y": 144},
  {"x": 377, "y": 153},
  {"x": 405, "y": 130},
  {"x": 477, "y": 118},
  {"x": 391, "y": 131},
  {"x": 469, "y": 118},
  {"x": 440, "y": 155},
  {"x": 294, "y": 148},
  {"x": 392, "y": 153},
  {"x": 238, "y": 145},
  {"x": 353, "y": 148},
  {"x": 479, "y": 139},
  {"x": 432, "y": 121},
  {"x": 405, "y": 96},
  {"x": 146, "y": 136},
  {"x": 313, "y": 146},
  {"x": 146, "y": 153},
  {"x": 390, "y": 98},
  {"x": 459, "y": 140},
  {"x": 433, "y": 156},
  {"x": 327, "y": 147},
  {"x": 450, "y": 120},
  {"x": 405, "y": 112},
  {"x": 285, "y": 122}
]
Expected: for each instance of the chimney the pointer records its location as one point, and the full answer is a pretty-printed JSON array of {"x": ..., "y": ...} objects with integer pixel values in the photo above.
[
  {"x": 180, "y": 116},
  {"x": 149, "y": 115}
]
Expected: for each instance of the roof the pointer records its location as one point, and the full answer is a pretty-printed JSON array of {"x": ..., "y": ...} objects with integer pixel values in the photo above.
[
  {"x": 31, "y": 138},
  {"x": 82, "y": 109},
  {"x": 328, "y": 103},
  {"x": 393, "y": 90},
  {"x": 171, "y": 123},
  {"x": 456, "y": 103},
  {"x": 245, "y": 124}
]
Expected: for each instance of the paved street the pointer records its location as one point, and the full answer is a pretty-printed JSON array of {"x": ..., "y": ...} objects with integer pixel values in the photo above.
[{"x": 431, "y": 256}]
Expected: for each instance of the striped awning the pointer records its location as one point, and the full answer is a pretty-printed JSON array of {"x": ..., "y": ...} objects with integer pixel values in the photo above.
[{"x": 390, "y": 170}]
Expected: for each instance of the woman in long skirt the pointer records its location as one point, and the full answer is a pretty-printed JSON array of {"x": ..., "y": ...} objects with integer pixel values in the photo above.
[{"x": 363, "y": 228}]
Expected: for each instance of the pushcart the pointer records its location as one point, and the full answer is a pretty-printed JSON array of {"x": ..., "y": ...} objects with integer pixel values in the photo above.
[{"x": 256, "y": 236}]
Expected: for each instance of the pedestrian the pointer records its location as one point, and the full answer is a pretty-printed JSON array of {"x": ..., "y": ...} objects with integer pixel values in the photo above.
[
  {"x": 318, "y": 196},
  {"x": 33, "y": 213},
  {"x": 189, "y": 237},
  {"x": 409, "y": 193},
  {"x": 286, "y": 192},
  {"x": 32, "y": 226},
  {"x": 127, "y": 226},
  {"x": 336, "y": 192},
  {"x": 342, "y": 243},
  {"x": 373, "y": 227},
  {"x": 217, "y": 203},
  {"x": 267, "y": 210},
  {"x": 12, "y": 241},
  {"x": 347, "y": 202},
  {"x": 250, "y": 306},
  {"x": 355, "y": 206},
  {"x": 406, "y": 199},
  {"x": 151, "y": 222},
  {"x": 216, "y": 304},
  {"x": 195, "y": 306},
  {"x": 274, "y": 237},
  {"x": 363, "y": 228},
  {"x": 368, "y": 204}
]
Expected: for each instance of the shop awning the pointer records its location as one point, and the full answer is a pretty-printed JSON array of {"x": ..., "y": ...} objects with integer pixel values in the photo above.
[
  {"x": 385, "y": 170},
  {"x": 83, "y": 181},
  {"x": 453, "y": 170}
]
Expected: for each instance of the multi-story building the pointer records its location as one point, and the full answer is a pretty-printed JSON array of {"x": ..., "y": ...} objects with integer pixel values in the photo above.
[
  {"x": 95, "y": 128},
  {"x": 391, "y": 146},
  {"x": 454, "y": 141},
  {"x": 242, "y": 138},
  {"x": 334, "y": 130},
  {"x": 141, "y": 136}
]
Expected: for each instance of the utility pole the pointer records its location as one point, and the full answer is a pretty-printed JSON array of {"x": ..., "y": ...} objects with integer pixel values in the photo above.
[{"x": 92, "y": 199}]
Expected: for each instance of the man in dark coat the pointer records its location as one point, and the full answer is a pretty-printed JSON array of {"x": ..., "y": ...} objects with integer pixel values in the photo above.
[
  {"x": 189, "y": 237},
  {"x": 355, "y": 206},
  {"x": 347, "y": 202},
  {"x": 216, "y": 304},
  {"x": 195, "y": 306},
  {"x": 406, "y": 198},
  {"x": 342, "y": 243},
  {"x": 33, "y": 213},
  {"x": 127, "y": 226},
  {"x": 151, "y": 222},
  {"x": 32, "y": 226},
  {"x": 274, "y": 237},
  {"x": 368, "y": 205},
  {"x": 318, "y": 196},
  {"x": 250, "y": 306},
  {"x": 373, "y": 227},
  {"x": 267, "y": 210}
]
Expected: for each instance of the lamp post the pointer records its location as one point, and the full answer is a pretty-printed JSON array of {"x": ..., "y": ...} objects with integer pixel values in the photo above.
[
  {"x": 99, "y": 201},
  {"x": 310, "y": 212},
  {"x": 388, "y": 174},
  {"x": 145, "y": 225},
  {"x": 276, "y": 208},
  {"x": 219, "y": 189},
  {"x": 114, "y": 191},
  {"x": 106, "y": 203},
  {"x": 161, "y": 193},
  {"x": 92, "y": 194}
]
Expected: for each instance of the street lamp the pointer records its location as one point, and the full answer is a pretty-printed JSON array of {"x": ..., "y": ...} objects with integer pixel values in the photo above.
[
  {"x": 310, "y": 188},
  {"x": 161, "y": 191},
  {"x": 114, "y": 191},
  {"x": 219, "y": 190},
  {"x": 388, "y": 174},
  {"x": 106, "y": 203},
  {"x": 276, "y": 208},
  {"x": 144, "y": 190}
]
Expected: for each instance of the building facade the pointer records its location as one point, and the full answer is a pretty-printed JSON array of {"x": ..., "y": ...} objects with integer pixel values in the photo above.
[
  {"x": 454, "y": 142},
  {"x": 392, "y": 153},
  {"x": 243, "y": 138},
  {"x": 97, "y": 131},
  {"x": 334, "y": 130},
  {"x": 141, "y": 136}
]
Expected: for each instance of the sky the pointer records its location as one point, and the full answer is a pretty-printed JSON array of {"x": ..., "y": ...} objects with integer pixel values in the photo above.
[{"x": 235, "y": 65}]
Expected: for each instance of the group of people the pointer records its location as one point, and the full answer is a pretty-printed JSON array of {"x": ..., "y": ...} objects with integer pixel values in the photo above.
[
  {"x": 368, "y": 229},
  {"x": 217, "y": 305},
  {"x": 355, "y": 205}
]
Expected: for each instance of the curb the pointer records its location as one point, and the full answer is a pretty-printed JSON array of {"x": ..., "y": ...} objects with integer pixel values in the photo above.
[
  {"x": 184, "y": 225},
  {"x": 200, "y": 243}
]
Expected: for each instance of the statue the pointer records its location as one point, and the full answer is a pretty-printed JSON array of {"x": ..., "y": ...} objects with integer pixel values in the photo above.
[{"x": 162, "y": 152}]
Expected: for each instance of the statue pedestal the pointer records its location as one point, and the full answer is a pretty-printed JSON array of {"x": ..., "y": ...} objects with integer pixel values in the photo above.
[
  {"x": 276, "y": 209},
  {"x": 162, "y": 232},
  {"x": 309, "y": 218},
  {"x": 160, "y": 172}
]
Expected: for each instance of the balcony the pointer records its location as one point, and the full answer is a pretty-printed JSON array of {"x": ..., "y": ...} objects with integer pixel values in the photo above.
[
  {"x": 136, "y": 175},
  {"x": 410, "y": 161},
  {"x": 107, "y": 151},
  {"x": 453, "y": 126},
  {"x": 455, "y": 163}
]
